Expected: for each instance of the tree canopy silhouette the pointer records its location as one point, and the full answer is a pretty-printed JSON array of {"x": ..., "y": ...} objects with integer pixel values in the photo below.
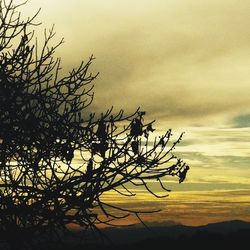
[{"x": 57, "y": 159}]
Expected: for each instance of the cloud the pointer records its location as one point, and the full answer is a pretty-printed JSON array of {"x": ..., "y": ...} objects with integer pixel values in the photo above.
[
  {"x": 190, "y": 208},
  {"x": 185, "y": 61},
  {"x": 189, "y": 70}
]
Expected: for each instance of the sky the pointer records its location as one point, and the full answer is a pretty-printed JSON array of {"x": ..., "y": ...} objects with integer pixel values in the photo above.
[{"x": 186, "y": 62}]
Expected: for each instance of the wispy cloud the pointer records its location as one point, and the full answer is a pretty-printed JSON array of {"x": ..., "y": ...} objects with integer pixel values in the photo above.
[{"x": 190, "y": 208}]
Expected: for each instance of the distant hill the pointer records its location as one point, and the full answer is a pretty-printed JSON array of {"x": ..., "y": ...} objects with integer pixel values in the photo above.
[
  {"x": 173, "y": 230},
  {"x": 226, "y": 226},
  {"x": 224, "y": 235}
]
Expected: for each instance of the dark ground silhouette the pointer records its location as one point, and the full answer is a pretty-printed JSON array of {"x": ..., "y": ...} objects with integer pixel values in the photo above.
[{"x": 224, "y": 235}]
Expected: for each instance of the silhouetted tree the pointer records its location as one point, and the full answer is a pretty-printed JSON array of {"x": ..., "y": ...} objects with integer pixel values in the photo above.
[{"x": 56, "y": 159}]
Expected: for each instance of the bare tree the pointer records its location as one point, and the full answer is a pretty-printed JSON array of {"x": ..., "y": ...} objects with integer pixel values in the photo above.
[{"x": 45, "y": 128}]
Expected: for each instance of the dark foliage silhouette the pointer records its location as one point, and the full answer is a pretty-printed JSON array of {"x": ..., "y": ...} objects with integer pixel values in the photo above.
[{"x": 57, "y": 159}]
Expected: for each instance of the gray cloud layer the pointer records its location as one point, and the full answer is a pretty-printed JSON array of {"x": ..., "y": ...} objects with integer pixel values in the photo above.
[{"x": 180, "y": 60}]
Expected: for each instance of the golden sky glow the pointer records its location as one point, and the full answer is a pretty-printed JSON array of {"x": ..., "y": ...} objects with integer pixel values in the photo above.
[{"x": 186, "y": 62}]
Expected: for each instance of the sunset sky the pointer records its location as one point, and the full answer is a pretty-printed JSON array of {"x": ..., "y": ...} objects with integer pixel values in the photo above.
[{"x": 186, "y": 62}]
